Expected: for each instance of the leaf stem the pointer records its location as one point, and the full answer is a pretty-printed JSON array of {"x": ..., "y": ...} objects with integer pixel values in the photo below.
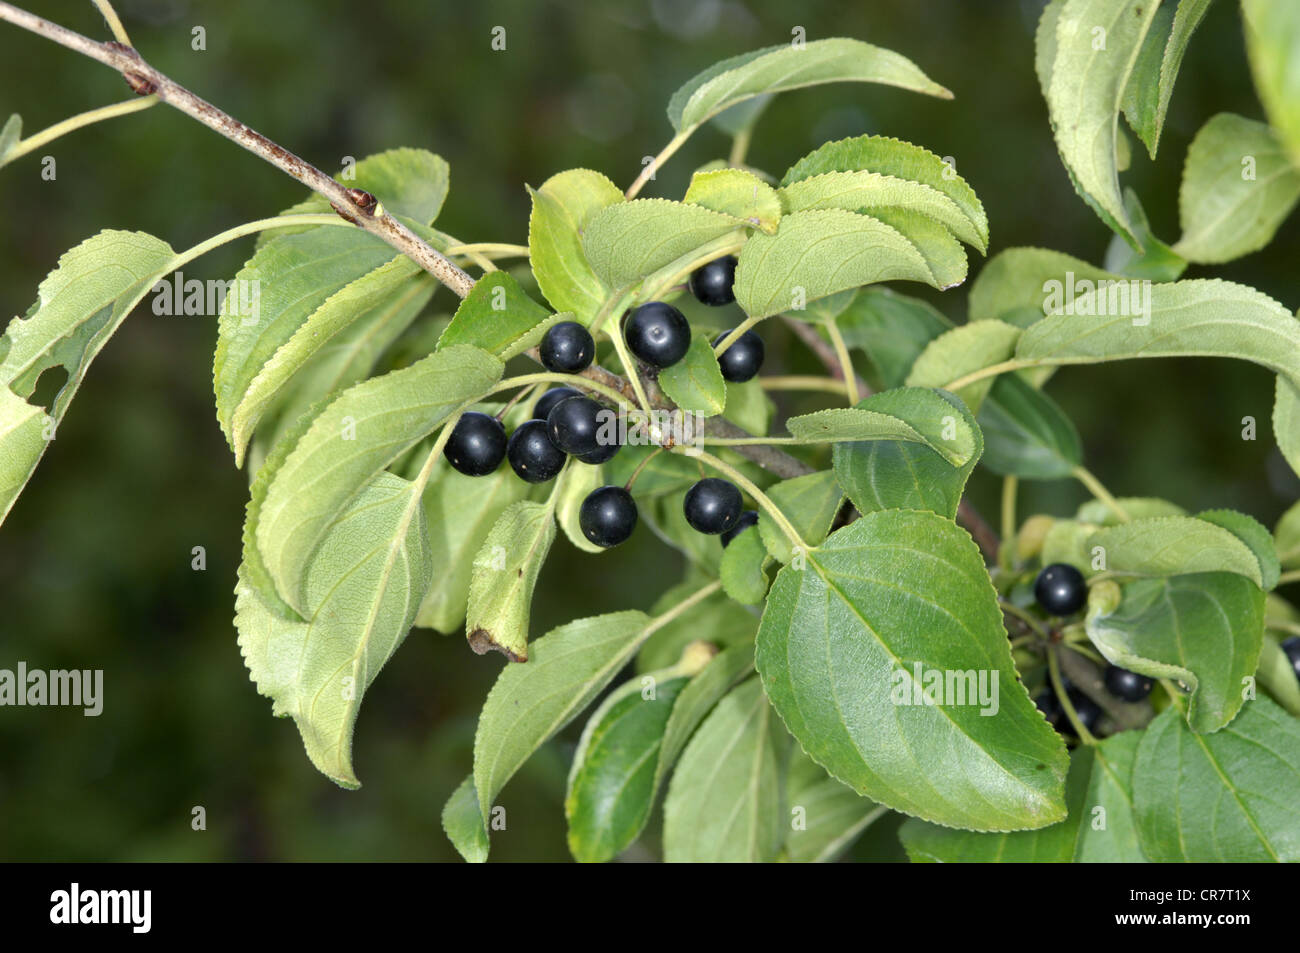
[
  {"x": 1291, "y": 576},
  {"x": 1054, "y": 672},
  {"x": 656, "y": 285},
  {"x": 494, "y": 249},
  {"x": 1100, "y": 492},
  {"x": 630, "y": 369},
  {"x": 648, "y": 171},
  {"x": 114, "y": 22},
  {"x": 569, "y": 380},
  {"x": 735, "y": 335},
  {"x": 1006, "y": 554},
  {"x": 846, "y": 362},
  {"x": 803, "y": 382},
  {"x": 748, "y": 486},
  {"x": 698, "y": 596},
  {"x": 991, "y": 371},
  {"x": 740, "y": 147},
  {"x": 49, "y": 134}
]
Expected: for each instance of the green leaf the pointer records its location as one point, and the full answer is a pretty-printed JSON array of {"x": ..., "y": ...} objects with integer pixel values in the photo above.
[
  {"x": 1152, "y": 260},
  {"x": 737, "y": 193},
  {"x": 881, "y": 475},
  {"x": 864, "y": 191},
  {"x": 749, "y": 407},
  {"x": 496, "y": 316},
  {"x": 1251, "y": 532},
  {"x": 1272, "y": 36},
  {"x": 899, "y": 160},
  {"x": 943, "y": 254},
  {"x": 1286, "y": 421},
  {"x": 815, "y": 254},
  {"x": 826, "y": 816},
  {"x": 568, "y": 668},
  {"x": 1026, "y": 433},
  {"x": 1146, "y": 98},
  {"x": 723, "y": 673},
  {"x": 1137, "y": 507},
  {"x": 78, "y": 307},
  {"x": 1098, "y": 792},
  {"x": 412, "y": 183},
  {"x": 809, "y": 502},
  {"x": 716, "y": 619},
  {"x": 1165, "y": 545},
  {"x": 361, "y": 594},
  {"x": 841, "y": 424},
  {"x": 464, "y": 825},
  {"x": 1195, "y": 318},
  {"x": 1277, "y": 676},
  {"x": 460, "y": 510},
  {"x": 11, "y": 133},
  {"x": 631, "y": 240},
  {"x": 505, "y": 572},
  {"x": 695, "y": 382},
  {"x": 891, "y": 329},
  {"x": 612, "y": 782},
  {"x": 1089, "y": 76},
  {"x": 360, "y": 433},
  {"x": 1020, "y": 285},
  {"x": 1238, "y": 186},
  {"x": 1286, "y": 537},
  {"x": 741, "y": 569},
  {"x": 786, "y": 66},
  {"x": 1223, "y": 797},
  {"x": 1202, "y": 629},
  {"x": 562, "y": 209},
  {"x": 962, "y": 351},
  {"x": 294, "y": 276},
  {"x": 725, "y": 799},
  {"x": 846, "y": 646}
]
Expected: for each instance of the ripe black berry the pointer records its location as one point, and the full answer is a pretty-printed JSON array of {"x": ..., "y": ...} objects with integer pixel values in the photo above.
[
  {"x": 1291, "y": 647},
  {"x": 1127, "y": 685},
  {"x": 658, "y": 334},
  {"x": 711, "y": 283},
  {"x": 747, "y": 519},
  {"x": 742, "y": 360},
  {"x": 713, "y": 506},
  {"x": 477, "y": 444},
  {"x": 1060, "y": 589},
  {"x": 602, "y": 453},
  {"x": 552, "y": 397},
  {"x": 567, "y": 348},
  {"x": 607, "y": 516},
  {"x": 1089, "y": 711},
  {"x": 531, "y": 453},
  {"x": 574, "y": 425}
]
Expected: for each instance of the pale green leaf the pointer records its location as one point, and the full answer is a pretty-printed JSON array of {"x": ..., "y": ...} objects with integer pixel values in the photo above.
[
  {"x": 1286, "y": 420},
  {"x": 562, "y": 209},
  {"x": 1251, "y": 532},
  {"x": 412, "y": 183},
  {"x": 826, "y": 817},
  {"x": 1166, "y": 545},
  {"x": 1286, "y": 537},
  {"x": 725, "y": 800},
  {"x": 1020, "y": 285},
  {"x": 631, "y": 240},
  {"x": 716, "y": 619},
  {"x": 1277, "y": 676},
  {"x": 817, "y": 253},
  {"x": 1202, "y": 629},
  {"x": 505, "y": 572},
  {"x": 11, "y": 133},
  {"x": 1152, "y": 259},
  {"x": 943, "y": 254},
  {"x": 1272, "y": 31},
  {"x": 1137, "y": 507},
  {"x": 1238, "y": 186},
  {"x": 788, "y": 66},
  {"x": 695, "y": 382},
  {"x": 361, "y": 594},
  {"x": 496, "y": 316},
  {"x": 844, "y": 650},
  {"x": 463, "y": 823},
  {"x": 961, "y": 351},
  {"x": 737, "y": 193},
  {"x": 1026, "y": 433},
  {"x": 749, "y": 407},
  {"x": 741, "y": 569},
  {"x": 809, "y": 502},
  {"x": 891, "y": 329},
  {"x": 1146, "y": 99},
  {"x": 936, "y": 426}
]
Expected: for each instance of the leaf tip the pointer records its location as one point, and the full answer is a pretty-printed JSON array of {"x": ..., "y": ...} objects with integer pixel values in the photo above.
[{"x": 481, "y": 641}]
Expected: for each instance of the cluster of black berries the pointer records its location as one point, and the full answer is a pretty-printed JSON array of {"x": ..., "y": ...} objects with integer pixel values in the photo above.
[
  {"x": 659, "y": 334},
  {"x": 564, "y": 421}
]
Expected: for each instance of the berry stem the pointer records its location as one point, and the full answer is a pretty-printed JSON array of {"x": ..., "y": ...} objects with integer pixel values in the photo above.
[
  {"x": 1014, "y": 610},
  {"x": 1054, "y": 672},
  {"x": 1006, "y": 552},
  {"x": 651, "y": 167},
  {"x": 735, "y": 335},
  {"x": 846, "y": 362},
  {"x": 1101, "y": 493},
  {"x": 629, "y": 368},
  {"x": 569, "y": 380},
  {"x": 748, "y": 486},
  {"x": 655, "y": 286},
  {"x": 802, "y": 382},
  {"x": 641, "y": 466},
  {"x": 523, "y": 392}
]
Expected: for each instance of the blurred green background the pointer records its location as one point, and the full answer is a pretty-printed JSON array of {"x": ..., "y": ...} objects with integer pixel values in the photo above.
[{"x": 95, "y": 558}]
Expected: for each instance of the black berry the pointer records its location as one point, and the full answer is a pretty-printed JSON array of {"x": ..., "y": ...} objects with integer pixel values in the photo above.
[
  {"x": 574, "y": 425},
  {"x": 1049, "y": 705},
  {"x": 1060, "y": 589},
  {"x": 602, "y": 453},
  {"x": 712, "y": 283},
  {"x": 477, "y": 444},
  {"x": 552, "y": 397},
  {"x": 742, "y": 360},
  {"x": 531, "y": 453},
  {"x": 713, "y": 506},
  {"x": 567, "y": 348},
  {"x": 658, "y": 334},
  {"x": 747, "y": 519},
  {"x": 1088, "y": 710},
  {"x": 1127, "y": 685},
  {"x": 607, "y": 516},
  {"x": 1291, "y": 647}
]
